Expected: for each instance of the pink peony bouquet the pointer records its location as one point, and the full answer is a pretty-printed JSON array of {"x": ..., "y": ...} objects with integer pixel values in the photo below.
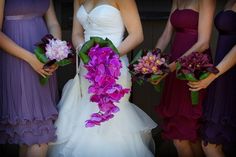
[
  {"x": 53, "y": 51},
  {"x": 195, "y": 67},
  {"x": 149, "y": 67},
  {"x": 102, "y": 61}
]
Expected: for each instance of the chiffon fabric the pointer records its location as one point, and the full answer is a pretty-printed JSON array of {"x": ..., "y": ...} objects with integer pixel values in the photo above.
[
  {"x": 219, "y": 112},
  {"x": 27, "y": 109},
  {"x": 181, "y": 120}
]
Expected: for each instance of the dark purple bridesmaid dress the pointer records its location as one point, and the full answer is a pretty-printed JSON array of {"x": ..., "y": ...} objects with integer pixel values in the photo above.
[
  {"x": 180, "y": 117},
  {"x": 27, "y": 109},
  {"x": 219, "y": 112}
]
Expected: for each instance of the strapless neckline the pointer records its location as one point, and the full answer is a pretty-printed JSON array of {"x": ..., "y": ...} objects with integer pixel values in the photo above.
[
  {"x": 186, "y": 9},
  {"x": 229, "y": 11},
  {"x": 97, "y": 7}
]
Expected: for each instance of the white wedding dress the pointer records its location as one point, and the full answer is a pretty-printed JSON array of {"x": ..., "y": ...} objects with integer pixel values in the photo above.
[{"x": 128, "y": 134}]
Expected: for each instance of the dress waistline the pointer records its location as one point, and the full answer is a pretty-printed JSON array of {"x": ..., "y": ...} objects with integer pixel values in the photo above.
[
  {"x": 187, "y": 30},
  {"x": 22, "y": 17}
]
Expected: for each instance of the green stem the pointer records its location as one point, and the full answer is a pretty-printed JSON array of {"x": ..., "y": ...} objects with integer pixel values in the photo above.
[{"x": 194, "y": 97}]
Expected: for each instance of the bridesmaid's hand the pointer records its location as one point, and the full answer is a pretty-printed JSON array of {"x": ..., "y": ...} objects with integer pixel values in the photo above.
[
  {"x": 51, "y": 69},
  {"x": 38, "y": 66},
  {"x": 172, "y": 66},
  {"x": 202, "y": 84}
]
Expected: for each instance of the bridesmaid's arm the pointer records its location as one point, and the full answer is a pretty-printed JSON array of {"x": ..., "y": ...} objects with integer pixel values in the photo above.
[
  {"x": 165, "y": 38},
  {"x": 228, "y": 62},
  {"x": 77, "y": 30},
  {"x": 206, "y": 15},
  {"x": 131, "y": 19},
  {"x": 13, "y": 49},
  {"x": 51, "y": 21}
]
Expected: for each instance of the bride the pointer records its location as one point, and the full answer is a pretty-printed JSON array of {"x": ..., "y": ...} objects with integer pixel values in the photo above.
[{"x": 128, "y": 134}]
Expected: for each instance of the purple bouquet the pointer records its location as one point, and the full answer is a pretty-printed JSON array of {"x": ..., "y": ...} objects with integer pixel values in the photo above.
[
  {"x": 53, "y": 51},
  {"x": 149, "y": 67},
  {"x": 194, "y": 67},
  {"x": 102, "y": 61}
]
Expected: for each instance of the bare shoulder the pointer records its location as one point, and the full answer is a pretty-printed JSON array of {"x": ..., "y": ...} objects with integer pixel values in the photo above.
[{"x": 125, "y": 2}]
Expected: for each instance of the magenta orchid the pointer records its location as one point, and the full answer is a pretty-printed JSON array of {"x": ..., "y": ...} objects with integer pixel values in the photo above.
[{"x": 103, "y": 72}]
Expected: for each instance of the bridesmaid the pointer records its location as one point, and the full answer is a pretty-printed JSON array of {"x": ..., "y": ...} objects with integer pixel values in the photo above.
[
  {"x": 190, "y": 24},
  {"x": 219, "y": 127},
  {"x": 27, "y": 109}
]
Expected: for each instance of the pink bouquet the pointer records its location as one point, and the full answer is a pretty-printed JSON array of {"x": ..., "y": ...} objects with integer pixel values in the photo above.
[
  {"x": 102, "y": 61},
  {"x": 53, "y": 51},
  {"x": 194, "y": 67},
  {"x": 150, "y": 67}
]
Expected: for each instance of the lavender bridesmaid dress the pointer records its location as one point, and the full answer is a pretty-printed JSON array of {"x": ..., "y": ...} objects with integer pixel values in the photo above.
[{"x": 27, "y": 109}]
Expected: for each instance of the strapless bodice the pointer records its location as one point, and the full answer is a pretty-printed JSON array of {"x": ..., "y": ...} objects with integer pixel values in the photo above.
[{"x": 104, "y": 21}]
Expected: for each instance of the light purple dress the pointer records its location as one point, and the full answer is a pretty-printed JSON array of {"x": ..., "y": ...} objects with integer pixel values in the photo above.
[{"x": 27, "y": 109}]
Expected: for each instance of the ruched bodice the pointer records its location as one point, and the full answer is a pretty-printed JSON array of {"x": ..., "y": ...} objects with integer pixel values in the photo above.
[
  {"x": 226, "y": 25},
  {"x": 184, "y": 19},
  {"x": 98, "y": 22},
  {"x": 185, "y": 23},
  {"x": 25, "y": 7},
  {"x": 222, "y": 19}
]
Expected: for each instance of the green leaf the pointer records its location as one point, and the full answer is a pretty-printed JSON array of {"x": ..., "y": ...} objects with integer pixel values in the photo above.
[
  {"x": 43, "y": 80},
  {"x": 63, "y": 62},
  {"x": 84, "y": 50},
  {"x": 40, "y": 55},
  {"x": 111, "y": 45},
  {"x": 99, "y": 40},
  {"x": 204, "y": 75},
  {"x": 190, "y": 77},
  {"x": 139, "y": 82},
  {"x": 178, "y": 66},
  {"x": 137, "y": 56},
  {"x": 180, "y": 76},
  {"x": 194, "y": 98},
  {"x": 157, "y": 87},
  {"x": 85, "y": 58},
  {"x": 155, "y": 77}
]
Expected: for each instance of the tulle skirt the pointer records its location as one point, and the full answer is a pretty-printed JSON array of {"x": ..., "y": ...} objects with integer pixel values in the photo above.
[{"x": 128, "y": 134}]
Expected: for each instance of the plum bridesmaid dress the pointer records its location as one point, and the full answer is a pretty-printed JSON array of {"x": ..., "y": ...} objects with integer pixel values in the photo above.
[
  {"x": 181, "y": 120},
  {"x": 219, "y": 112},
  {"x": 27, "y": 109}
]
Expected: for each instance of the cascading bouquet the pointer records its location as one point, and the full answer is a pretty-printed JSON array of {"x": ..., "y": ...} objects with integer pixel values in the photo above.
[
  {"x": 101, "y": 59},
  {"x": 150, "y": 67},
  {"x": 53, "y": 51},
  {"x": 194, "y": 67}
]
